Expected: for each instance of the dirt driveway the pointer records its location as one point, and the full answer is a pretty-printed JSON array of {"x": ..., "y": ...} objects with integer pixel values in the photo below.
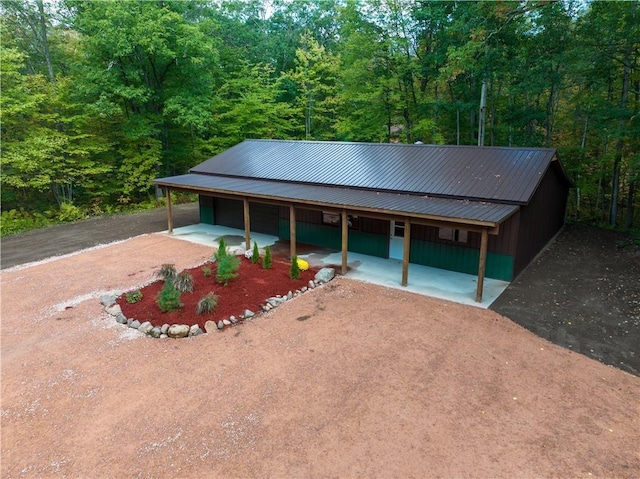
[
  {"x": 376, "y": 383},
  {"x": 583, "y": 293}
]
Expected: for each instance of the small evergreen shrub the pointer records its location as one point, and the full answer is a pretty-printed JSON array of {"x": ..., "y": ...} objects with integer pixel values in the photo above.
[
  {"x": 168, "y": 298},
  {"x": 266, "y": 261},
  {"x": 167, "y": 272},
  {"x": 206, "y": 272},
  {"x": 184, "y": 282},
  {"x": 255, "y": 257},
  {"x": 221, "y": 252},
  {"x": 294, "y": 272},
  {"x": 207, "y": 304},
  {"x": 227, "y": 267},
  {"x": 133, "y": 297}
]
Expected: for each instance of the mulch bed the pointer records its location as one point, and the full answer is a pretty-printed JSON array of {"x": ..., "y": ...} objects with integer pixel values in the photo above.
[{"x": 249, "y": 290}]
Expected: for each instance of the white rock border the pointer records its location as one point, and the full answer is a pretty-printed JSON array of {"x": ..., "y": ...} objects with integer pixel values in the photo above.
[{"x": 177, "y": 331}]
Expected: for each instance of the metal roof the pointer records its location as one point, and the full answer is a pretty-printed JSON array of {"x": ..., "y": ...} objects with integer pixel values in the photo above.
[
  {"x": 441, "y": 209},
  {"x": 496, "y": 174}
]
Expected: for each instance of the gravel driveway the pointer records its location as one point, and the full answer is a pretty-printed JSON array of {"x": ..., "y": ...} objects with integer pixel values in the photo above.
[{"x": 376, "y": 383}]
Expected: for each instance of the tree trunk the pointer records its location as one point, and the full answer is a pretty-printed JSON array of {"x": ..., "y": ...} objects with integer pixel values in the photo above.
[
  {"x": 45, "y": 42},
  {"x": 629, "y": 219},
  {"x": 482, "y": 114},
  {"x": 615, "y": 182}
]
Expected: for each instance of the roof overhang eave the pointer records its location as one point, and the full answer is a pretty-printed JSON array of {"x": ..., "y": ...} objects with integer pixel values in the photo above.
[{"x": 330, "y": 206}]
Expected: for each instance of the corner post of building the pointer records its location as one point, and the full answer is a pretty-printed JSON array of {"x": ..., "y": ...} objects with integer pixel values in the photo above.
[
  {"x": 482, "y": 265},
  {"x": 167, "y": 194},
  {"x": 292, "y": 229},
  {"x": 247, "y": 224},
  {"x": 345, "y": 240},
  {"x": 406, "y": 252}
]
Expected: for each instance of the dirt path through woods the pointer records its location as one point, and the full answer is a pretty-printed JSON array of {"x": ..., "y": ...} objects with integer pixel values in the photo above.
[{"x": 375, "y": 383}]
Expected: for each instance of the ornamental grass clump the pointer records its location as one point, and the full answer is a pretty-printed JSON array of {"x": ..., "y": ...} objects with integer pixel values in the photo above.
[
  {"x": 255, "y": 257},
  {"x": 227, "y": 267},
  {"x": 167, "y": 272},
  {"x": 184, "y": 282},
  {"x": 133, "y": 297},
  {"x": 168, "y": 298},
  {"x": 266, "y": 261},
  {"x": 207, "y": 304},
  {"x": 294, "y": 272},
  {"x": 206, "y": 272}
]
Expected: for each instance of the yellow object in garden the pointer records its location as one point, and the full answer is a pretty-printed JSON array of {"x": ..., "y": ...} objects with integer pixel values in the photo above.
[{"x": 303, "y": 265}]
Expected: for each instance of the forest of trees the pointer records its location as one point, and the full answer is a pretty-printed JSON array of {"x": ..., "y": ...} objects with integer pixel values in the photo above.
[{"x": 100, "y": 97}]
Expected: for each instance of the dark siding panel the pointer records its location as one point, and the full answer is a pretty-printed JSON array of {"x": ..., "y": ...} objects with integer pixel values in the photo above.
[
  {"x": 228, "y": 213},
  {"x": 504, "y": 243},
  {"x": 541, "y": 219},
  {"x": 264, "y": 218},
  {"x": 369, "y": 243},
  {"x": 206, "y": 209},
  {"x": 375, "y": 226},
  {"x": 460, "y": 258}
]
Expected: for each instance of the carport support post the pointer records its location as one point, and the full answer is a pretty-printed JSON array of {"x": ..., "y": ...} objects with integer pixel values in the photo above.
[
  {"x": 345, "y": 240},
  {"x": 247, "y": 225},
  {"x": 482, "y": 264},
  {"x": 405, "y": 252},
  {"x": 167, "y": 193},
  {"x": 292, "y": 230}
]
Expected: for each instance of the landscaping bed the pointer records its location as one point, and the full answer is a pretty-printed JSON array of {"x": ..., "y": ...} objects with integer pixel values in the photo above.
[{"x": 248, "y": 291}]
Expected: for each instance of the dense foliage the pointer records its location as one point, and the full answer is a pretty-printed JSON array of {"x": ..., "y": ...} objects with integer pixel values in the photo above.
[{"x": 98, "y": 98}]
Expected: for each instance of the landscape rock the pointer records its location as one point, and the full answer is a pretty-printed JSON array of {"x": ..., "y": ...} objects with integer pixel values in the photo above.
[
  {"x": 248, "y": 313},
  {"x": 248, "y": 254},
  {"x": 155, "y": 332},
  {"x": 226, "y": 322},
  {"x": 135, "y": 324},
  {"x": 129, "y": 321},
  {"x": 107, "y": 300},
  {"x": 164, "y": 328},
  {"x": 178, "y": 331},
  {"x": 303, "y": 289},
  {"x": 210, "y": 326},
  {"x": 274, "y": 301},
  {"x": 325, "y": 275},
  {"x": 220, "y": 325},
  {"x": 289, "y": 295},
  {"x": 195, "y": 330},
  {"x": 121, "y": 318},
  {"x": 145, "y": 327},
  {"x": 114, "y": 310},
  {"x": 311, "y": 284},
  {"x": 163, "y": 336},
  {"x": 233, "y": 319}
]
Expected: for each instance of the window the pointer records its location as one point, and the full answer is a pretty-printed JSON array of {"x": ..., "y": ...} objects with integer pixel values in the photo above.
[
  {"x": 335, "y": 219},
  {"x": 453, "y": 234},
  {"x": 330, "y": 218}
]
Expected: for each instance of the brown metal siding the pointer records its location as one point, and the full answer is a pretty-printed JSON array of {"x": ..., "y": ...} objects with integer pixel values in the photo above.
[
  {"x": 264, "y": 218},
  {"x": 489, "y": 173},
  {"x": 541, "y": 219},
  {"x": 375, "y": 226},
  {"x": 503, "y": 243},
  {"x": 228, "y": 213}
]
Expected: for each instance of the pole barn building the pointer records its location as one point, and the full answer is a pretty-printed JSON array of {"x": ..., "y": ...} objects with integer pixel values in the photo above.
[{"x": 480, "y": 210}]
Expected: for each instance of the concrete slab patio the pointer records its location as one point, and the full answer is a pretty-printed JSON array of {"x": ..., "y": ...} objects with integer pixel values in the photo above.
[{"x": 437, "y": 283}]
